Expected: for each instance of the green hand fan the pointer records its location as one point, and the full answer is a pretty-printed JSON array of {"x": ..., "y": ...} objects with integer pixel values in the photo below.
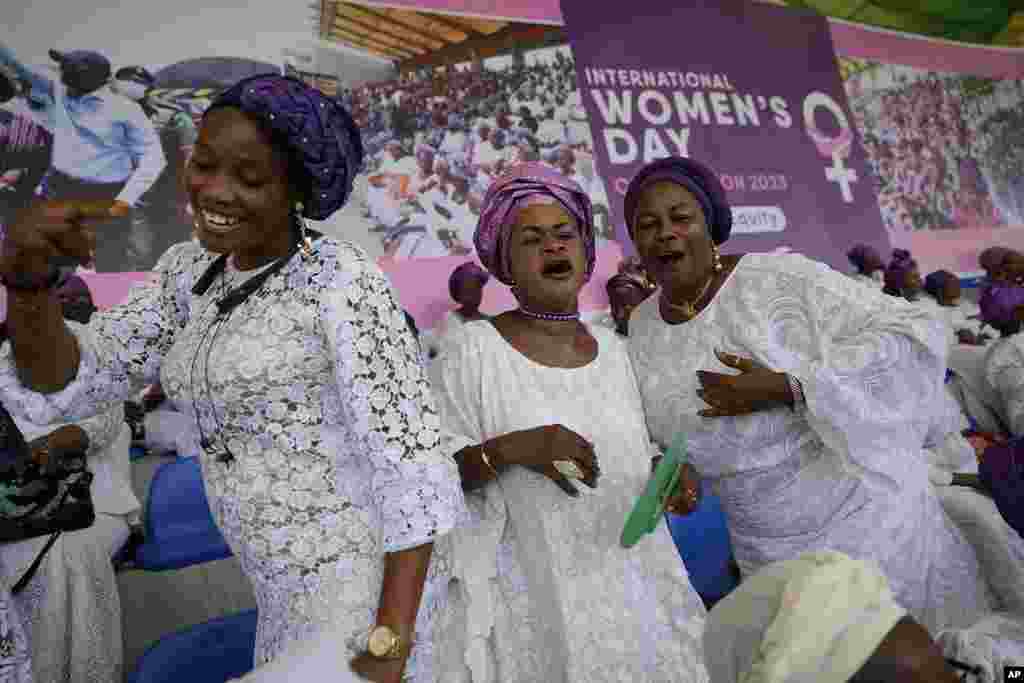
[{"x": 650, "y": 507}]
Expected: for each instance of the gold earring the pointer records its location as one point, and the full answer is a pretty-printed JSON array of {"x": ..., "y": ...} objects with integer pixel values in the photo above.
[
  {"x": 307, "y": 244},
  {"x": 716, "y": 258}
]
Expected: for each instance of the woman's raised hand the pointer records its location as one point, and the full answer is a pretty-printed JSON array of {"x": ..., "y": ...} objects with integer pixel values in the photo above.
[{"x": 51, "y": 229}]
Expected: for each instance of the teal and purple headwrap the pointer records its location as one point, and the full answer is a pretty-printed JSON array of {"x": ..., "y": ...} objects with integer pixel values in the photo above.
[
  {"x": 464, "y": 273},
  {"x": 695, "y": 177},
  {"x": 317, "y": 131},
  {"x": 522, "y": 183}
]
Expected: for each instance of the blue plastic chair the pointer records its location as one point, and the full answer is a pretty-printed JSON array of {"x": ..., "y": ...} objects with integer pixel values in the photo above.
[
  {"x": 180, "y": 531},
  {"x": 212, "y": 652},
  {"x": 702, "y": 539}
]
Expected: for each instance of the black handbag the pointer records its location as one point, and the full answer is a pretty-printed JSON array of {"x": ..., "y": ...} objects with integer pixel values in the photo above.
[{"x": 38, "y": 500}]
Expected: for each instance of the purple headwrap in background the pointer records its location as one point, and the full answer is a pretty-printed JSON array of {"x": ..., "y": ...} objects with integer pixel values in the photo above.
[
  {"x": 318, "y": 131},
  {"x": 936, "y": 282},
  {"x": 901, "y": 264},
  {"x": 695, "y": 177},
  {"x": 861, "y": 254},
  {"x": 999, "y": 304},
  {"x": 505, "y": 196},
  {"x": 73, "y": 287},
  {"x": 626, "y": 279},
  {"x": 464, "y": 273}
]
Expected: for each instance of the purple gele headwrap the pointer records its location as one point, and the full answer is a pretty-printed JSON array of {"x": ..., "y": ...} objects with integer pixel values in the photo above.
[
  {"x": 506, "y": 194},
  {"x": 74, "y": 286},
  {"x": 861, "y": 254},
  {"x": 464, "y": 273},
  {"x": 901, "y": 264},
  {"x": 999, "y": 304},
  {"x": 318, "y": 131},
  {"x": 695, "y": 177}
]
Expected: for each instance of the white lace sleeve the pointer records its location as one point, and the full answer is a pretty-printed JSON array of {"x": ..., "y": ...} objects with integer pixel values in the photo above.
[
  {"x": 121, "y": 348},
  {"x": 874, "y": 370},
  {"x": 387, "y": 400},
  {"x": 103, "y": 429},
  {"x": 1004, "y": 370}
]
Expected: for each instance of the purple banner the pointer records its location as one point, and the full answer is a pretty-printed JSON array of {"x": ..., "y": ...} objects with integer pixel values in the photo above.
[{"x": 752, "y": 90}]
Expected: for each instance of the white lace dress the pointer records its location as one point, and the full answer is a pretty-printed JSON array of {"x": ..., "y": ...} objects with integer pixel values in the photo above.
[
  {"x": 544, "y": 590},
  {"x": 1004, "y": 377},
  {"x": 845, "y": 472},
  {"x": 15, "y": 654},
  {"x": 315, "y": 386},
  {"x": 71, "y": 607}
]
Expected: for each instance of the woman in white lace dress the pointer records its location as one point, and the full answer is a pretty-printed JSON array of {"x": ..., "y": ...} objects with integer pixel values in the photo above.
[
  {"x": 817, "y": 443},
  {"x": 321, "y": 447},
  {"x": 544, "y": 591}
]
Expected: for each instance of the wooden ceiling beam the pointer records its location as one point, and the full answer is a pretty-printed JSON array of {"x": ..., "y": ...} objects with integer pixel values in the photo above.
[
  {"x": 513, "y": 36},
  {"x": 375, "y": 22},
  {"x": 377, "y": 48},
  {"x": 427, "y": 22},
  {"x": 374, "y": 36},
  {"x": 391, "y": 16}
]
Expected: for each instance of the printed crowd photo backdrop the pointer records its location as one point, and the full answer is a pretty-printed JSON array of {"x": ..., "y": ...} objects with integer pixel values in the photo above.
[{"x": 947, "y": 149}]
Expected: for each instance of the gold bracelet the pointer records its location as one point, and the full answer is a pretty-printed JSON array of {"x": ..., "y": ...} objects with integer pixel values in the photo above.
[{"x": 487, "y": 461}]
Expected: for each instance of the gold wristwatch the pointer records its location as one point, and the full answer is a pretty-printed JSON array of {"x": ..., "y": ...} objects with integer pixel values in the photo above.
[{"x": 386, "y": 643}]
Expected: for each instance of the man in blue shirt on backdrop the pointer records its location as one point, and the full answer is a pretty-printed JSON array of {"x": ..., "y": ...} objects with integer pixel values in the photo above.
[{"x": 104, "y": 145}]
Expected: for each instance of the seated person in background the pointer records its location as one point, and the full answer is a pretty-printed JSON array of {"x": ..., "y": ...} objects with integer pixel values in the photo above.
[
  {"x": 76, "y": 300},
  {"x": 962, "y": 316},
  {"x": 626, "y": 291},
  {"x": 869, "y": 264},
  {"x": 1002, "y": 308},
  {"x": 902, "y": 277},
  {"x": 827, "y": 618},
  {"x": 466, "y": 288},
  {"x": 71, "y": 606},
  {"x": 1012, "y": 269},
  {"x": 991, "y": 261}
]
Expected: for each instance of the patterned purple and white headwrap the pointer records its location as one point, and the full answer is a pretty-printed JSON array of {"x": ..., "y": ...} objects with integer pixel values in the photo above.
[
  {"x": 508, "y": 193},
  {"x": 318, "y": 130}
]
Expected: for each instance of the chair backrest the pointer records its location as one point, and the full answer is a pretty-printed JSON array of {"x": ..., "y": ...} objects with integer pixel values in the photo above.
[
  {"x": 702, "y": 539},
  {"x": 212, "y": 652},
  {"x": 177, "y": 501}
]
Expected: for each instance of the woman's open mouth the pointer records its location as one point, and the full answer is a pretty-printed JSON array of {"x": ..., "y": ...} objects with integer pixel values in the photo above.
[
  {"x": 558, "y": 270},
  {"x": 219, "y": 223},
  {"x": 671, "y": 258}
]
